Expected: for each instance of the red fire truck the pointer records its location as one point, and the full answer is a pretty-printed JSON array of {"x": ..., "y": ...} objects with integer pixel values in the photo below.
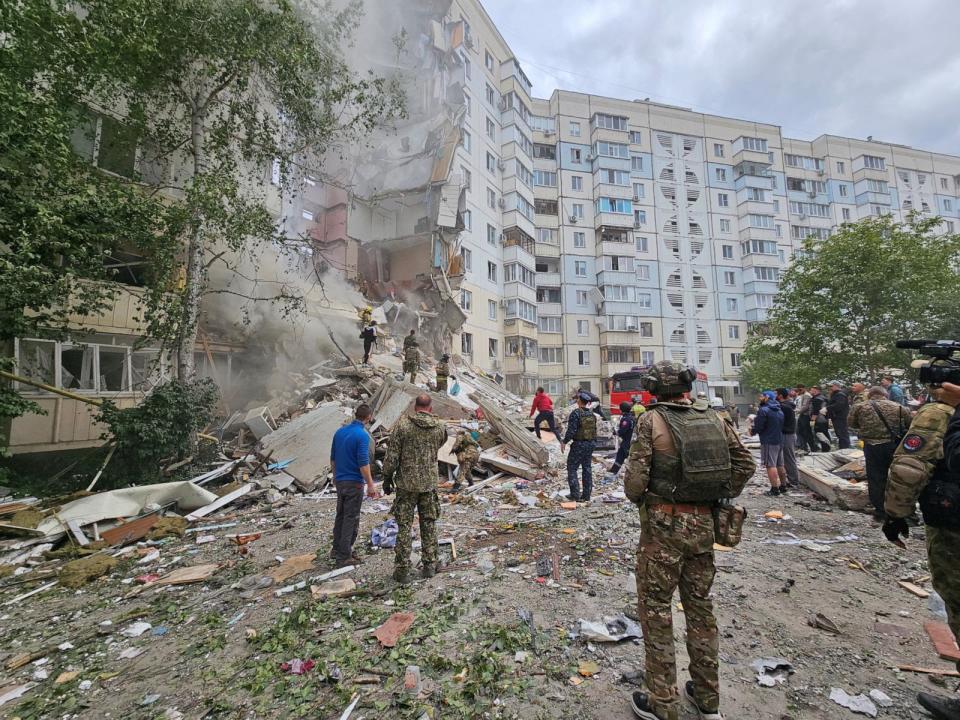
[{"x": 627, "y": 386}]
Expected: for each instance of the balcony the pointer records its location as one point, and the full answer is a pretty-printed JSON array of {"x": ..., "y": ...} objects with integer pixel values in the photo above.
[
  {"x": 548, "y": 279},
  {"x": 613, "y": 220},
  {"x": 517, "y": 253},
  {"x": 623, "y": 192},
  {"x": 757, "y": 315},
  {"x": 761, "y": 287},
  {"x": 551, "y": 370},
  {"x": 755, "y": 207},
  {"x": 616, "y": 277},
  {"x": 753, "y": 157},
  {"x": 866, "y": 173},
  {"x": 609, "y": 247},
  {"x": 761, "y": 182},
  {"x": 873, "y": 198},
  {"x": 546, "y": 309},
  {"x": 519, "y": 290},
  {"x": 546, "y": 250},
  {"x": 756, "y": 233},
  {"x": 516, "y": 365},
  {"x": 515, "y": 327},
  {"x": 621, "y": 338},
  {"x": 621, "y": 307}
]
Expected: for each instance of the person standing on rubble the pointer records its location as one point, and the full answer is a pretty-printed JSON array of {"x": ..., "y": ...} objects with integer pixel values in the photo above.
[
  {"x": 369, "y": 337},
  {"x": 410, "y": 467},
  {"x": 804, "y": 430},
  {"x": 683, "y": 461},
  {"x": 581, "y": 435},
  {"x": 838, "y": 411},
  {"x": 411, "y": 355},
  {"x": 768, "y": 425},
  {"x": 880, "y": 423},
  {"x": 443, "y": 373},
  {"x": 894, "y": 390},
  {"x": 350, "y": 465},
  {"x": 625, "y": 433},
  {"x": 923, "y": 469},
  {"x": 821, "y": 426},
  {"x": 543, "y": 406},
  {"x": 468, "y": 455},
  {"x": 791, "y": 476},
  {"x": 858, "y": 394}
]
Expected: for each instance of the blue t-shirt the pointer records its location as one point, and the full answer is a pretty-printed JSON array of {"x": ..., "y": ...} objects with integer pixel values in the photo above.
[{"x": 350, "y": 451}]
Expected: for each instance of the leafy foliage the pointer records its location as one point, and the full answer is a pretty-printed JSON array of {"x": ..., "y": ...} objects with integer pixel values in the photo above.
[
  {"x": 161, "y": 427},
  {"x": 845, "y": 300}
]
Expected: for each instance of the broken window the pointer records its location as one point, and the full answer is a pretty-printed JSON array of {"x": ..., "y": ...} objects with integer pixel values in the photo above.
[
  {"x": 36, "y": 361},
  {"x": 466, "y": 343},
  {"x": 145, "y": 369},
  {"x": 545, "y": 152},
  {"x": 113, "y": 369},
  {"x": 77, "y": 367},
  {"x": 545, "y": 207}
]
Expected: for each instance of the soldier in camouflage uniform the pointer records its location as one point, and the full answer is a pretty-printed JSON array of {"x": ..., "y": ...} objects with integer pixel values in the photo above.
[
  {"x": 858, "y": 394},
  {"x": 443, "y": 372},
  {"x": 683, "y": 460},
  {"x": 411, "y": 467},
  {"x": 468, "y": 455},
  {"x": 921, "y": 471},
  {"x": 880, "y": 423},
  {"x": 411, "y": 355},
  {"x": 582, "y": 436}
]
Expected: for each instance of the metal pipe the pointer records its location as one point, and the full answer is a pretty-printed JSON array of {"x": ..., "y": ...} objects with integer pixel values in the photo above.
[{"x": 50, "y": 388}]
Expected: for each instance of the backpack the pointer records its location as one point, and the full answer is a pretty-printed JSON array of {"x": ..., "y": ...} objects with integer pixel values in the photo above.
[
  {"x": 701, "y": 472},
  {"x": 588, "y": 426}
]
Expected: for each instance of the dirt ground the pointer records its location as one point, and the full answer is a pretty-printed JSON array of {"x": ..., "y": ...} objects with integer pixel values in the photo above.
[{"x": 211, "y": 652}]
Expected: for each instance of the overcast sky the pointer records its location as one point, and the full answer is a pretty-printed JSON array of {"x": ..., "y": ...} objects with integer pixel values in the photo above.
[{"x": 887, "y": 68}]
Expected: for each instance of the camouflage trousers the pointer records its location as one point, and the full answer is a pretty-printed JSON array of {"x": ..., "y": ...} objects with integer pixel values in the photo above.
[
  {"x": 410, "y": 368},
  {"x": 676, "y": 551},
  {"x": 427, "y": 504},
  {"x": 467, "y": 464},
  {"x": 441, "y": 383},
  {"x": 943, "y": 555}
]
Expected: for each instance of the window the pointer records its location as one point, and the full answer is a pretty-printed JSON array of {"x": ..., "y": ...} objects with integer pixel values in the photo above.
[
  {"x": 759, "y": 247},
  {"x": 466, "y": 66},
  {"x": 718, "y": 149},
  {"x": 491, "y": 271},
  {"x": 723, "y": 200},
  {"x": 874, "y": 162},
  {"x": 732, "y": 304},
  {"x": 735, "y": 360},
  {"x": 575, "y": 129},
  {"x": 943, "y": 184},
  {"x": 542, "y": 123},
  {"x": 521, "y": 309},
  {"x": 639, "y": 217},
  {"x": 543, "y": 178},
  {"x": 841, "y": 167},
  {"x": 491, "y": 164},
  {"x": 583, "y": 358},
  {"x": 551, "y": 355},
  {"x": 492, "y": 309},
  {"x": 803, "y": 161},
  {"x": 724, "y": 225},
  {"x": 306, "y": 215},
  {"x": 947, "y": 205},
  {"x": 466, "y": 343},
  {"x": 729, "y": 278},
  {"x": 515, "y": 272},
  {"x": 578, "y": 210},
  {"x": 760, "y": 221},
  {"x": 610, "y": 149},
  {"x": 581, "y": 298},
  {"x": 579, "y": 240},
  {"x": 466, "y": 300},
  {"x": 466, "y": 102},
  {"x": 467, "y": 220},
  {"x": 636, "y": 138},
  {"x": 843, "y": 190},
  {"x": 799, "y": 232},
  {"x": 467, "y": 177},
  {"x": 767, "y": 274},
  {"x": 639, "y": 191},
  {"x": 547, "y": 235},
  {"x": 111, "y": 145},
  {"x": 879, "y": 186},
  {"x": 720, "y": 174},
  {"x": 904, "y": 176},
  {"x": 575, "y": 155},
  {"x": 491, "y": 95},
  {"x": 619, "y": 293},
  {"x": 646, "y": 357},
  {"x": 636, "y": 163},
  {"x": 467, "y": 256},
  {"x": 727, "y": 251},
  {"x": 643, "y": 244},
  {"x": 610, "y": 122},
  {"x": 466, "y": 140},
  {"x": 487, "y": 60},
  {"x": 492, "y": 348},
  {"x": 491, "y": 199},
  {"x": 614, "y": 205},
  {"x": 491, "y": 234},
  {"x": 583, "y": 328},
  {"x": 545, "y": 207},
  {"x": 549, "y": 324},
  {"x": 491, "y": 129},
  {"x": 643, "y": 272},
  {"x": 618, "y": 263},
  {"x": 733, "y": 332},
  {"x": 949, "y": 224},
  {"x": 576, "y": 182},
  {"x": 813, "y": 209},
  {"x": 545, "y": 152},
  {"x": 614, "y": 177},
  {"x": 646, "y": 329},
  {"x": 846, "y": 213},
  {"x": 764, "y": 301},
  {"x": 580, "y": 268},
  {"x": 755, "y": 144}
]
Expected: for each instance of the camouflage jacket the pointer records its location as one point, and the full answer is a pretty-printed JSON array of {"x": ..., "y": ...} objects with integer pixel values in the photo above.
[
  {"x": 865, "y": 420},
  {"x": 466, "y": 448},
  {"x": 412, "y": 454},
  {"x": 443, "y": 369},
  {"x": 914, "y": 461},
  {"x": 410, "y": 341},
  {"x": 742, "y": 464}
]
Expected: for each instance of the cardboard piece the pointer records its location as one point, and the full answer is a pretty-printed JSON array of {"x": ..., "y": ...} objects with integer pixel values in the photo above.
[
  {"x": 187, "y": 575},
  {"x": 333, "y": 588},
  {"x": 291, "y": 567}
]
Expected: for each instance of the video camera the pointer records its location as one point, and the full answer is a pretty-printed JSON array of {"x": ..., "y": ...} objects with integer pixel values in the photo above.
[{"x": 943, "y": 367}]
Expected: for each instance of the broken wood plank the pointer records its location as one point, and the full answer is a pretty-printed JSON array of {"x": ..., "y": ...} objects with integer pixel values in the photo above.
[
  {"x": 131, "y": 531},
  {"x": 513, "y": 432},
  {"x": 945, "y": 672},
  {"x": 74, "y": 527},
  {"x": 8, "y": 530},
  {"x": 219, "y": 503},
  {"x": 102, "y": 468},
  {"x": 483, "y": 483},
  {"x": 187, "y": 575},
  {"x": 913, "y": 589},
  {"x": 499, "y": 457},
  {"x": 943, "y": 641}
]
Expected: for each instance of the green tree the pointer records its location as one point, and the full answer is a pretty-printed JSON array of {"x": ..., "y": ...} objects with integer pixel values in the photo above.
[
  {"x": 845, "y": 300},
  {"x": 231, "y": 94}
]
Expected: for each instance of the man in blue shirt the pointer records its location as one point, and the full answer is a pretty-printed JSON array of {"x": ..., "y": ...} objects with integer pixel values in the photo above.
[
  {"x": 894, "y": 391},
  {"x": 350, "y": 465}
]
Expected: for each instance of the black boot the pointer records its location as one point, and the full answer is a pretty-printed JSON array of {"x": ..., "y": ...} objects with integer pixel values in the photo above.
[
  {"x": 641, "y": 707},
  {"x": 941, "y": 708}
]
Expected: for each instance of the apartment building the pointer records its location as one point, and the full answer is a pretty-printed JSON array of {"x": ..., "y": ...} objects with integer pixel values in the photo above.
[{"x": 605, "y": 233}]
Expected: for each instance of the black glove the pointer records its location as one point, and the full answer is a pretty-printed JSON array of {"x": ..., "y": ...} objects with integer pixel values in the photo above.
[
  {"x": 388, "y": 486},
  {"x": 896, "y": 528}
]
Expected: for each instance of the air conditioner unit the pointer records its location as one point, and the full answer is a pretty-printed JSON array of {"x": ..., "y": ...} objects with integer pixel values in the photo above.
[
  {"x": 468, "y": 42},
  {"x": 803, "y": 216},
  {"x": 502, "y": 104},
  {"x": 574, "y": 219},
  {"x": 548, "y": 133},
  {"x": 503, "y": 304},
  {"x": 500, "y": 166},
  {"x": 811, "y": 194},
  {"x": 501, "y": 203},
  {"x": 820, "y": 172},
  {"x": 590, "y": 157},
  {"x": 633, "y": 328},
  {"x": 636, "y": 224}
]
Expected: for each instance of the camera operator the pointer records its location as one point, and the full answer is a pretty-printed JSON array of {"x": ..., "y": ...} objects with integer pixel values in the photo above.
[{"x": 923, "y": 467}]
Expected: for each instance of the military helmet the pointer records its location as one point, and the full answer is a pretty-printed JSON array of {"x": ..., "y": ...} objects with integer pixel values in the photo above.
[{"x": 669, "y": 378}]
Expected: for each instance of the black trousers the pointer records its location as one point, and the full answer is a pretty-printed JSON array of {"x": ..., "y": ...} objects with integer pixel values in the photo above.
[
  {"x": 804, "y": 434},
  {"x": 842, "y": 432},
  {"x": 347, "y": 525},
  {"x": 551, "y": 423},
  {"x": 877, "y": 459},
  {"x": 367, "y": 344}
]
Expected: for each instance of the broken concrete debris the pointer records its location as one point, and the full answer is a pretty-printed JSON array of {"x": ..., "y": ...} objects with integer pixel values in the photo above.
[{"x": 859, "y": 704}]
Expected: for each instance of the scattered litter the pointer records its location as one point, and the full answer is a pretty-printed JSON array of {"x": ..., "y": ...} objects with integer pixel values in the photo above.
[
  {"x": 66, "y": 677},
  {"x": 291, "y": 567},
  {"x": 171, "y": 526},
  {"x": 65, "y": 646},
  {"x": 147, "y": 578},
  {"x": 570, "y": 505},
  {"x": 794, "y": 540},
  {"x": 187, "y": 575},
  {"x": 411, "y": 680},
  {"x": 136, "y": 629},
  {"x": 154, "y": 554},
  {"x": 131, "y": 652},
  {"x": 943, "y": 640},
  {"x": 333, "y": 588},
  {"x": 857, "y": 703},
  {"x": 822, "y": 622},
  {"x": 159, "y": 631},
  {"x": 588, "y": 668},
  {"x": 774, "y": 514},
  {"x": 484, "y": 563},
  {"x": 881, "y": 698},
  {"x": 204, "y": 539},
  {"x": 772, "y": 671},
  {"x": 12, "y": 692},
  {"x": 150, "y": 699},
  {"x": 78, "y": 573},
  {"x": 296, "y": 666},
  {"x": 610, "y": 629},
  {"x": 520, "y": 656},
  {"x": 914, "y": 589},
  {"x": 395, "y": 626},
  {"x": 814, "y": 546},
  {"x": 384, "y": 535}
]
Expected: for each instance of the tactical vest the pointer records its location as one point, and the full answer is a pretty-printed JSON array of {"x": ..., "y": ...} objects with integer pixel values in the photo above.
[
  {"x": 411, "y": 354},
  {"x": 701, "y": 471},
  {"x": 443, "y": 370},
  {"x": 940, "y": 499},
  {"x": 588, "y": 426}
]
